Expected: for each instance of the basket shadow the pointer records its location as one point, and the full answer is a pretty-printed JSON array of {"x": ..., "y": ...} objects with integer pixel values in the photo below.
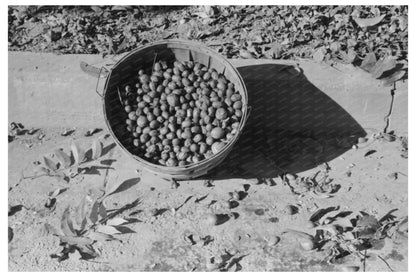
[{"x": 293, "y": 126}]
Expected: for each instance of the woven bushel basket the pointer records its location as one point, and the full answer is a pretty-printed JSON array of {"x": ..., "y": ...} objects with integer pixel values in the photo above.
[{"x": 143, "y": 58}]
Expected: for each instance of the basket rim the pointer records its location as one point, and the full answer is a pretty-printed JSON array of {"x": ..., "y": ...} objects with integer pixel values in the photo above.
[{"x": 206, "y": 161}]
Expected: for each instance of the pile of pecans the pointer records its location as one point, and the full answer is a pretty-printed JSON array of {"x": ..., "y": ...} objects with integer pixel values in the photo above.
[{"x": 181, "y": 114}]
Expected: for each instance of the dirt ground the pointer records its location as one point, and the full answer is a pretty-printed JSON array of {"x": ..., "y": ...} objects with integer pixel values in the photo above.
[{"x": 182, "y": 240}]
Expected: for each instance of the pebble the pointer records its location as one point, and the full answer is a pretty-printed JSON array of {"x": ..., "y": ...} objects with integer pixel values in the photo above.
[
  {"x": 393, "y": 176},
  {"x": 354, "y": 146}
]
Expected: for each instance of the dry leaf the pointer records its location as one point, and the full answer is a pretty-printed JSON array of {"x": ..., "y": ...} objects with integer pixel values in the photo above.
[
  {"x": 94, "y": 212},
  {"x": 109, "y": 230},
  {"x": 50, "y": 164},
  {"x": 121, "y": 187},
  {"x": 368, "y": 22},
  {"x": 319, "y": 54},
  {"x": 100, "y": 236},
  {"x": 41, "y": 169},
  {"x": 63, "y": 158},
  {"x": 369, "y": 153},
  {"x": 77, "y": 152},
  {"x": 369, "y": 62},
  {"x": 246, "y": 55},
  {"x": 56, "y": 192},
  {"x": 116, "y": 221},
  {"x": 102, "y": 211},
  {"x": 396, "y": 76},
  {"x": 383, "y": 65},
  {"x": 97, "y": 148},
  {"x": 66, "y": 224}
]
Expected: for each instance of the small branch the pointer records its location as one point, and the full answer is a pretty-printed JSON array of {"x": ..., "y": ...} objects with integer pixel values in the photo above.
[{"x": 364, "y": 260}]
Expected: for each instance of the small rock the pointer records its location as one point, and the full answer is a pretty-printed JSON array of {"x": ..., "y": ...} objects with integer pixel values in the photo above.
[
  {"x": 274, "y": 219},
  {"x": 392, "y": 176},
  {"x": 154, "y": 212},
  {"x": 354, "y": 146},
  {"x": 259, "y": 212}
]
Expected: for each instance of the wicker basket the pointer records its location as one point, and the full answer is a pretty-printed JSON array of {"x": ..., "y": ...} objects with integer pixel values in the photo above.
[{"x": 143, "y": 57}]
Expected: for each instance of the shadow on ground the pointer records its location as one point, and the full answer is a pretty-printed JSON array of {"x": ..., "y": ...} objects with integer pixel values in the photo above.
[{"x": 293, "y": 126}]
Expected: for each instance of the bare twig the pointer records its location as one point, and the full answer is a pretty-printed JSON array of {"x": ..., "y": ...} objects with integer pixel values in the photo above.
[{"x": 364, "y": 260}]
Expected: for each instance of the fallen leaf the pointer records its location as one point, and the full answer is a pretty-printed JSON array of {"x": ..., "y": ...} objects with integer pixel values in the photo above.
[
  {"x": 66, "y": 224},
  {"x": 56, "y": 192},
  {"x": 100, "y": 236},
  {"x": 94, "y": 212},
  {"x": 368, "y": 22},
  {"x": 102, "y": 211},
  {"x": 383, "y": 65},
  {"x": 63, "y": 158},
  {"x": 106, "y": 229},
  {"x": 92, "y": 132},
  {"x": 124, "y": 229},
  {"x": 116, "y": 221},
  {"x": 41, "y": 169},
  {"x": 81, "y": 211},
  {"x": 97, "y": 148},
  {"x": 246, "y": 54},
  {"x": 77, "y": 152},
  {"x": 50, "y": 164},
  {"x": 369, "y": 62},
  {"x": 319, "y": 54},
  {"x": 396, "y": 76},
  {"x": 109, "y": 190},
  {"x": 369, "y": 153}
]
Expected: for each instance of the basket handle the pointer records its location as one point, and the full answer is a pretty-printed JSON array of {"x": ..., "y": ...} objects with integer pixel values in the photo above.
[{"x": 103, "y": 73}]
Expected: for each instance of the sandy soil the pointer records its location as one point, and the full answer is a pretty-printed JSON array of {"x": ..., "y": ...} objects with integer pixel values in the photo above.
[{"x": 182, "y": 240}]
